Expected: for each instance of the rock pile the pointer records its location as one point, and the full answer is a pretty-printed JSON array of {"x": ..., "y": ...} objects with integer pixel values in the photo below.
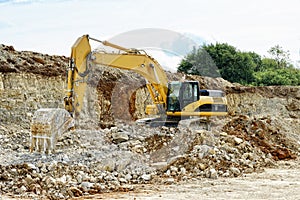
[
  {"x": 116, "y": 158},
  {"x": 31, "y": 62}
]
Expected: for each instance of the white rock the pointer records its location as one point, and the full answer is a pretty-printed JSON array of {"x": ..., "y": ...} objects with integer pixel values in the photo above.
[
  {"x": 223, "y": 134},
  {"x": 119, "y": 137},
  {"x": 235, "y": 171},
  {"x": 172, "y": 130},
  {"x": 173, "y": 169},
  {"x": 159, "y": 165},
  {"x": 226, "y": 174},
  {"x": 31, "y": 166},
  {"x": 59, "y": 195},
  {"x": 44, "y": 169},
  {"x": 213, "y": 173},
  {"x": 168, "y": 172},
  {"x": 182, "y": 170},
  {"x": 87, "y": 185},
  {"x": 62, "y": 180},
  {"x": 146, "y": 177},
  {"x": 109, "y": 177},
  {"x": 114, "y": 129},
  {"x": 23, "y": 189},
  {"x": 50, "y": 182},
  {"x": 79, "y": 178},
  {"x": 238, "y": 140},
  {"x": 14, "y": 171},
  {"x": 122, "y": 180},
  {"x": 170, "y": 180},
  {"x": 203, "y": 150},
  {"x": 128, "y": 177}
]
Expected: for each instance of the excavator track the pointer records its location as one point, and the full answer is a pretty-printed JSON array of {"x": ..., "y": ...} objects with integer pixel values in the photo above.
[{"x": 195, "y": 123}]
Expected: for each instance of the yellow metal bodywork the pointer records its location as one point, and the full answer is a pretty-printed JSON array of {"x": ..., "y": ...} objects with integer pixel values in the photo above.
[
  {"x": 189, "y": 110},
  {"x": 131, "y": 59},
  {"x": 193, "y": 113},
  {"x": 76, "y": 84},
  {"x": 204, "y": 100}
]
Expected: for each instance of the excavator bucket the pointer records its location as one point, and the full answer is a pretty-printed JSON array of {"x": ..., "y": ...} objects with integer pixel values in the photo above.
[{"x": 47, "y": 125}]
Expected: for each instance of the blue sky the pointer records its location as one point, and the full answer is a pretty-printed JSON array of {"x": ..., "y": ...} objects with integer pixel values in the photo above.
[{"x": 52, "y": 26}]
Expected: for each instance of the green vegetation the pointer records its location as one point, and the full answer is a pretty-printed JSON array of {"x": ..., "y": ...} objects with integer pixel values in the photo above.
[{"x": 247, "y": 68}]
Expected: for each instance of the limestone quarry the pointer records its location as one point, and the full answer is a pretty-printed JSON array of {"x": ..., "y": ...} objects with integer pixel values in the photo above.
[{"x": 108, "y": 152}]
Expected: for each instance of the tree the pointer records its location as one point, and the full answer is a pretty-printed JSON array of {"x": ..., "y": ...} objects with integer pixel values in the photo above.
[
  {"x": 199, "y": 62},
  {"x": 243, "y": 68},
  {"x": 234, "y": 65},
  {"x": 221, "y": 59},
  {"x": 268, "y": 64},
  {"x": 247, "y": 68},
  {"x": 281, "y": 56},
  {"x": 256, "y": 60},
  {"x": 285, "y": 76}
]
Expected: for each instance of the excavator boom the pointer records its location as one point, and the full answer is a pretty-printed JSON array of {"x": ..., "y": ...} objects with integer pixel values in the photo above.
[{"x": 131, "y": 59}]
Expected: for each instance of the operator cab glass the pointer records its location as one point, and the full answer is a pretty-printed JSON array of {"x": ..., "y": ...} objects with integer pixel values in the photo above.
[
  {"x": 212, "y": 93},
  {"x": 180, "y": 94}
]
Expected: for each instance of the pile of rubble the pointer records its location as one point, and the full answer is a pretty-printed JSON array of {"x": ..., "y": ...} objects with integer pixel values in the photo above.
[
  {"x": 116, "y": 158},
  {"x": 12, "y": 61}
]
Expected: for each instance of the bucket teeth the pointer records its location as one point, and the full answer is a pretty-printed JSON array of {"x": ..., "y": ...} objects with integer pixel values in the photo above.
[{"x": 47, "y": 125}]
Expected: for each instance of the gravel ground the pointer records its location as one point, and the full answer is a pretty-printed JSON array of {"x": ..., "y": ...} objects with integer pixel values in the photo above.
[
  {"x": 281, "y": 182},
  {"x": 130, "y": 157}
]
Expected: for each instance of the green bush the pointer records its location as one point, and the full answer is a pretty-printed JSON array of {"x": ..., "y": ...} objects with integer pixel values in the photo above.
[{"x": 247, "y": 68}]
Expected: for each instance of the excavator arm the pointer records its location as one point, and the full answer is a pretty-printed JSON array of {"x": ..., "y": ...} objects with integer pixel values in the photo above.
[{"x": 82, "y": 59}]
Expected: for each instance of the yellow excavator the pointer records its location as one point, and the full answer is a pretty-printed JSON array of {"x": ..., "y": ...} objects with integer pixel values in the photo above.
[{"x": 173, "y": 101}]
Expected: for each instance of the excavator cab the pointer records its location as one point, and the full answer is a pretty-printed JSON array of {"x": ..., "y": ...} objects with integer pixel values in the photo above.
[
  {"x": 181, "y": 94},
  {"x": 185, "y": 99},
  {"x": 186, "y": 103}
]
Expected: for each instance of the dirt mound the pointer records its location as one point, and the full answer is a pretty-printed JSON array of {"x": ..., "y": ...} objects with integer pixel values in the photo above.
[
  {"x": 260, "y": 133},
  {"x": 31, "y": 62}
]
